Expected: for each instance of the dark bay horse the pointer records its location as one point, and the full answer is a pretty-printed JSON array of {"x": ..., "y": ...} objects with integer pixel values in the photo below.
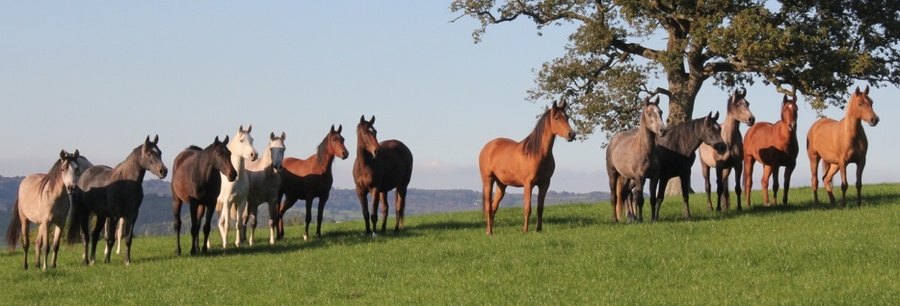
[
  {"x": 738, "y": 111},
  {"x": 311, "y": 178},
  {"x": 773, "y": 145},
  {"x": 528, "y": 163},
  {"x": 196, "y": 180},
  {"x": 264, "y": 176},
  {"x": 44, "y": 199},
  {"x": 112, "y": 194},
  {"x": 838, "y": 143},
  {"x": 379, "y": 168},
  {"x": 676, "y": 152},
  {"x": 630, "y": 159}
]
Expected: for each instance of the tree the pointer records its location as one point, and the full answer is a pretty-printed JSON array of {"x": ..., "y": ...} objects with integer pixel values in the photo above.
[{"x": 817, "y": 48}]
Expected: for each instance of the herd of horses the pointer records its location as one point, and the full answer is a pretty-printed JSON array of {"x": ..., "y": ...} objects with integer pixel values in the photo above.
[{"x": 229, "y": 176}]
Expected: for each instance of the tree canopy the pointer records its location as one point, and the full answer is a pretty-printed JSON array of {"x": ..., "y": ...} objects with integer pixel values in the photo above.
[{"x": 814, "y": 48}]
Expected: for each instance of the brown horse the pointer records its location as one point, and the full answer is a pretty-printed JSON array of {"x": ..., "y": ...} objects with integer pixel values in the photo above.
[
  {"x": 773, "y": 145},
  {"x": 630, "y": 160},
  {"x": 310, "y": 178},
  {"x": 113, "y": 194},
  {"x": 196, "y": 180},
  {"x": 838, "y": 143},
  {"x": 528, "y": 163},
  {"x": 44, "y": 199},
  {"x": 738, "y": 111},
  {"x": 379, "y": 168}
]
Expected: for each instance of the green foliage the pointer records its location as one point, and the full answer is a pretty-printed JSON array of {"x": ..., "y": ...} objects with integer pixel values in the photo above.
[{"x": 765, "y": 255}]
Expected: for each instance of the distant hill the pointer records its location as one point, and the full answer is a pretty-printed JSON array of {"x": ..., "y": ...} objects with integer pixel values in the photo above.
[{"x": 155, "y": 217}]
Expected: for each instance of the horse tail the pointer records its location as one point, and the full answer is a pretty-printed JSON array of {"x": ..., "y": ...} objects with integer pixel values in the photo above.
[
  {"x": 77, "y": 214},
  {"x": 15, "y": 228}
]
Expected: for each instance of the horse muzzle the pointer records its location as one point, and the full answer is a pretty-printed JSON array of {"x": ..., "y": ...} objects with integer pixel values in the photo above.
[
  {"x": 345, "y": 154},
  {"x": 71, "y": 189},
  {"x": 720, "y": 147},
  {"x": 874, "y": 121},
  {"x": 662, "y": 132},
  {"x": 570, "y": 137},
  {"x": 751, "y": 121},
  {"x": 162, "y": 173}
]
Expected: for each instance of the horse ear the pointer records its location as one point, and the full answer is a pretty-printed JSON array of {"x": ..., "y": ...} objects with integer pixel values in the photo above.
[
  {"x": 785, "y": 99},
  {"x": 362, "y": 118},
  {"x": 564, "y": 105},
  {"x": 156, "y": 139},
  {"x": 340, "y": 127},
  {"x": 272, "y": 136},
  {"x": 283, "y": 136},
  {"x": 217, "y": 140},
  {"x": 76, "y": 154},
  {"x": 716, "y": 117},
  {"x": 62, "y": 154},
  {"x": 147, "y": 141},
  {"x": 332, "y": 128},
  {"x": 225, "y": 141},
  {"x": 372, "y": 122},
  {"x": 656, "y": 101},
  {"x": 249, "y": 128},
  {"x": 867, "y": 90},
  {"x": 241, "y": 128},
  {"x": 857, "y": 91}
]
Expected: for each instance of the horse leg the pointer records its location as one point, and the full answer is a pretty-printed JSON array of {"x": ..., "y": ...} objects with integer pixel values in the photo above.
[
  {"x": 638, "y": 198},
  {"x": 42, "y": 246},
  {"x": 119, "y": 235},
  {"x": 308, "y": 217},
  {"x": 788, "y": 170},
  {"x": 859, "y": 171},
  {"x": 273, "y": 228},
  {"x": 176, "y": 211},
  {"x": 127, "y": 230},
  {"x": 527, "y": 189},
  {"x": 57, "y": 232},
  {"x": 363, "y": 202},
  {"x": 95, "y": 237},
  {"x": 111, "y": 229},
  {"x": 196, "y": 210},
  {"x": 844, "y": 184},
  {"x": 814, "y": 170},
  {"x": 24, "y": 236},
  {"x": 704, "y": 170},
  {"x": 827, "y": 181},
  {"x": 738, "y": 168},
  {"x": 748, "y": 180},
  {"x": 208, "y": 213},
  {"x": 82, "y": 223},
  {"x": 240, "y": 227},
  {"x": 224, "y": 219},
  {"x": 764, "y": 183},
  {"x": 498, "y": 196},
  {"x": 542, "y": 194},
  {"x": 382, "y": 197},
  {"x": 722, "y": 193},
  {"x": 685, "y": 191},
  {"x": 373, "y": 213},
  {"x": 399, "y": 207},
  {"x": 248, "y": 219},
  {"x": 654, "y": 199},
  {"x": 614, "y": 194},
  {"x": 486, "y": 201},
  {"x": 289, "y": 201},
  {"x": 775, "y": 170},
  {"x": 322, "y": 200}
]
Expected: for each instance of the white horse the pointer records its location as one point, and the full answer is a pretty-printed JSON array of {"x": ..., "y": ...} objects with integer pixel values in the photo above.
[
  {"x": 233, "y": 195},
  {"x": 265, "y": 182}
]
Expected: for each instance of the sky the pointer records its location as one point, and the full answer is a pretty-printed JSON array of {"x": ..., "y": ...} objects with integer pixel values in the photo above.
[{"x": 101, "y": 76}]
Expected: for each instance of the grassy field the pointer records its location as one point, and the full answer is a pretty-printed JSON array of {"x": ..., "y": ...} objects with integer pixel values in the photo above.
[{"x": 765, "y": 255}]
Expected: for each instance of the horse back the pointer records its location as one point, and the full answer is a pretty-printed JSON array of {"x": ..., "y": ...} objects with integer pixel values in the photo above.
[
  {"x": 302, "y": 179},
  {"x": 828, "y": 139},
  {"x": 189, "y": 184},
  {"x": 504, "y": 159},
  {"x": 29, "y": 199},
  {"x": 623, "y": 155}
]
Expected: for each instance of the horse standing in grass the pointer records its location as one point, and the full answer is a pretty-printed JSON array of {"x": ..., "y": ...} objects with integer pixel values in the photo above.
[
  {"x": 773, "y": 145},
  {"x": 44, "y": 199},
  {"x": 114, "y": 194},
  {"x": 838, "y": 143},
  {"x": 233, "y": 194},
  {"x": 310, "y": 178},
  {"x": 676, "y": 152},
  {"x": 196, "y": 179},
  {"x": 738, "y": 111},
  {"x": 630, "y": 159},
  {"x": 379, "y": 168},
  {"x": 265, "y": 183},
  {"x": 528, "y": 163}
]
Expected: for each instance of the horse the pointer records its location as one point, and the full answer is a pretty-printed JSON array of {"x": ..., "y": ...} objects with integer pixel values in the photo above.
[
  {"x": 773, "y": 145},
  {"x": 195, "y": 180},
  {"x": 114, "y": 194},
  {"x": 44, "y": 199},
  {"x": 233, "y": 194},
  {"x": 738, "y": 111},
  {"x": 265, "y": 184},
  {"x": 838, "y": 143},
  {"x": 675, "y": 152},
  {"x": 528, "y": 163},
  {"x": 630, "y": 159},
  {"x": 310, "y": 178},
  {"x": 378, "y": 169}
]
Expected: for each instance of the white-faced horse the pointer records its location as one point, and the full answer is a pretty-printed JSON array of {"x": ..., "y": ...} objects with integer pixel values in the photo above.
[
  {"x": 233, "y": 195},
  {"x": 44, "y": 199},
  {"x": 265, "y": 182}
]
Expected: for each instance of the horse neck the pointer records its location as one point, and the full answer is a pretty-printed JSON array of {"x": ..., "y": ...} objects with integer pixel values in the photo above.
[
  {"x": 238, "y": 162},
  {"x": 130, "y": 169},
  {"x": 540, "y": 142},
  {"x": 852, "y": 123},
  {"x": 646, "y": 138},
  {"x": 363, "y": 157},
  {"x": 676, "y": 140},
  {"x": 730, "y": 129},
  {"x": 51, "y": 184}
]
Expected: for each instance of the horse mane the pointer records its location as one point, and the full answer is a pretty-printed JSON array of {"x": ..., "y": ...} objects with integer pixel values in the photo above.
[
  {"x": 194, "y": 148},
  {"x": 322, "y": 150},
  {"x": 53, "y": 174},
  {"x": 677, "y": 137},
  {"x": 532, "y": 143}
]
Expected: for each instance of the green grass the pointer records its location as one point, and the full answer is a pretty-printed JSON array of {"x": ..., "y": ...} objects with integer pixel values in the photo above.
[{"x": 765, "y": 255}]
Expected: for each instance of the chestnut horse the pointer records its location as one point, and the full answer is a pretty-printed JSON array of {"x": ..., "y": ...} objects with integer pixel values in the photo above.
[
  {"x": 379, "y": 168},
  {"x": 264, "y": 176},
  {"x": 773, "y": 145},
  {"x": 44, "y": 199},
  {"x": 113, "y": 194},
  {"x": 630, "y": 160},
  {"x": 738, "y": 111},
  {"x": 676, "y": 152},
  {"x": 196, "y": 180},
  {"x": 528, "y": 163},
  {"x": 838, "y": 143},
  {"x": 310, "y": 178}
]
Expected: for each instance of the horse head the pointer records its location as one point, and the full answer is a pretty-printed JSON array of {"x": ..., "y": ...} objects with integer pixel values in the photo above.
[
  {"x": 559, "y": 121},
  {"x": 276, "y": 149},
  {"x": 651, "y": 117},
  {"x": 68, "y": 164},
  {"x": 242, "y": 144},
  {"x": 789, "y": 112},
  {"x": 739, "y": 107},
  {"x": 222, "y": 158},
  {"x": 336, "y": 142},
  {"x": 151, "y": 157},
  {"x": 860, "y": 106},
  {"x": 711, "y": 133},
  {"x": 366, "y": 135}
]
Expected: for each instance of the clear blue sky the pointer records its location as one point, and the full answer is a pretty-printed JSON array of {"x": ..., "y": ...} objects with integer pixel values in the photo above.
[{"x": 101, "y": 76}]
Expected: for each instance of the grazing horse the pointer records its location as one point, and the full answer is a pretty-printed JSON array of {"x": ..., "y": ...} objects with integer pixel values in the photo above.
[
  {"x": 265, "y": 184},
  {"x": 838, "y": 143},
  {"x": 379, "y": 168},
  {"x": 630, "y": 159},
  {"x": 738, "y": 111},
  {"x": 114, "y": 194},
  {"x": 528, "y": 163},
  {"x": 773, "y": 145},
  {"x": 44, "y": 199},
  {"x": 233, "y": 194},
  {"x": 196, "y": 180},
  {"x": 676, "y": 152},
  {"x": 310, "y": 178}
]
